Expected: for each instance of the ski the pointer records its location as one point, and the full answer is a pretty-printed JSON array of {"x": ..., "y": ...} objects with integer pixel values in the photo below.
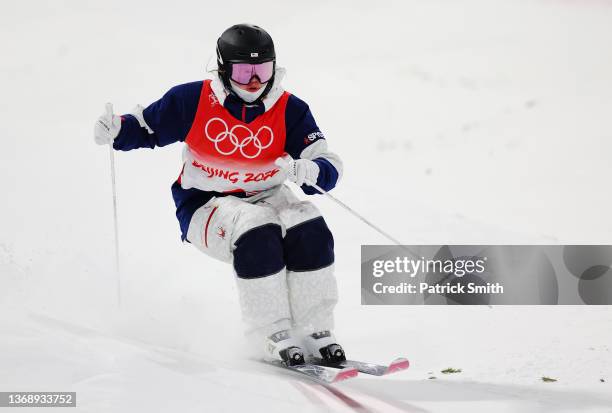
[
  {"x": 373, "y": 369},
  {"x": 320, "y": 373}
]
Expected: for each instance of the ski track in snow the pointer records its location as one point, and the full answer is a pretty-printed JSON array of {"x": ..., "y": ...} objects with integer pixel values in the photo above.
[
  {"x": 106, "y": 371},
  {"x": 488, "y": 124}
]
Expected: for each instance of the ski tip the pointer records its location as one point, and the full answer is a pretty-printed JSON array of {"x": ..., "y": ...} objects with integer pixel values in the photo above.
[
  {"x": 346, "y": 373},
  {"x": 398, "y": 364}
]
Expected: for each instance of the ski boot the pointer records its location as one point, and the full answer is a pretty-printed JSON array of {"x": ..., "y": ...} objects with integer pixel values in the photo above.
[
  {"x": 322, "y": 344},
  {"x": 280, "y": 346}
]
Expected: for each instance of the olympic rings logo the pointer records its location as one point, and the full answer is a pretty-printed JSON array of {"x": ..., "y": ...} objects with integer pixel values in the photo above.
[{"x": 236, "y": 144}]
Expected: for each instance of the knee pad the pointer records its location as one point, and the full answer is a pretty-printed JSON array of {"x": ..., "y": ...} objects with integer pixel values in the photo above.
[
  {"x": 309, "y": 246},
  {"x": 257, "y": 242},
  {"x": 230, "y": 229},
  {"x": 258, "y": 252}
]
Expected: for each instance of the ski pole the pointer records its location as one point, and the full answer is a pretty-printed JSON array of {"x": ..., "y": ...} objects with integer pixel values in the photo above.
[
  {"x": 109, "y": 113},
  {"x": 365, "y": 221},
  {"x": 349, "y": 209},
  {"x": 284, "y": 163}
]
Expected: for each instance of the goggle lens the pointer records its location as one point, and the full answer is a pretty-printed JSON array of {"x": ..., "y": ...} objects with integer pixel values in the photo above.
[{"x": 242, "y": 73}]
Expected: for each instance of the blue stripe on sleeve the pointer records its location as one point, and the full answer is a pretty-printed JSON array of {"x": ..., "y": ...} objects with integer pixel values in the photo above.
[
  {"x": 170, "y": 118},
  {"x": 299, "y": 123},
  {"x": 328, "y": 177}
]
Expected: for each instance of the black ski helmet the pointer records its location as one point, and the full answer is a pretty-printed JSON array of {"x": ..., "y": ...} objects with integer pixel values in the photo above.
[{"x": 244, "y": 43}]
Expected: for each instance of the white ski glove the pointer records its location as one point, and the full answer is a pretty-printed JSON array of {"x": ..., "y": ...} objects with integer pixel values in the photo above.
[
  {"x": 300, "y": 171},
  {"x": 107, "y": 126}
]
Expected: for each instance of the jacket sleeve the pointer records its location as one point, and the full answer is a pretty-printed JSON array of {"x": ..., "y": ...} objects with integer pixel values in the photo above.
[
  {"x": 306, "y": 141},
  {"x": 163, "y": 122}
]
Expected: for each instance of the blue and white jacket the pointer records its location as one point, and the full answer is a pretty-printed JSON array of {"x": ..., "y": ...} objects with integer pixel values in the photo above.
[{"x": 170, "y": 119}]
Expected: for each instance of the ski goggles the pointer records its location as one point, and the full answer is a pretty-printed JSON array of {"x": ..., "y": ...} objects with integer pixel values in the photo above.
[{"x": 242, "y": 73}]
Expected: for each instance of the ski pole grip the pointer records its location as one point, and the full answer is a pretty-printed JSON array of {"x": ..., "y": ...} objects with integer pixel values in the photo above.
[{"x": 109, "y": 111}]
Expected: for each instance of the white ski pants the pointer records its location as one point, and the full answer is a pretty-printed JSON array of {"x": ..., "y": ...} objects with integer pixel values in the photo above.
[{"x": 282, "y": 253}]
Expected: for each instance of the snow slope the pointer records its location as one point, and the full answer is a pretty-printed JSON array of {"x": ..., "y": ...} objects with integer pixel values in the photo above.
[{"x": 462, "y": 122}]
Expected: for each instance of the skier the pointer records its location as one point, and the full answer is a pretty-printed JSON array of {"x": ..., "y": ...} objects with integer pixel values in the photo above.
[{"x": 244, "y": 136}]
